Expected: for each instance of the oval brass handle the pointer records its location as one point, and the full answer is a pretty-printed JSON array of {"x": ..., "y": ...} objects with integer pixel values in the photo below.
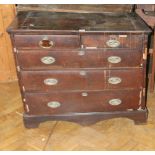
[
  {"x": 47, "y": 60},
  {"x": 84, "y": 94},
  {"x": 114, "y": 59},
  {"x": 45, "y": 43},
  {"x": 81, "y": 53},
  {"x": 114, "y": 80},
  {"x": 115, "y": 101},
  {"x": 54, "y": 104},
  {"x": 83, "y": 73},
  {"x": 50, "y": 81},
  {"x": 113, "y": 43}
]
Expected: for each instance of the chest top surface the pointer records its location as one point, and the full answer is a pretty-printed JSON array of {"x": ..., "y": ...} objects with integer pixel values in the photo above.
[{"x": 73, "y": 22}]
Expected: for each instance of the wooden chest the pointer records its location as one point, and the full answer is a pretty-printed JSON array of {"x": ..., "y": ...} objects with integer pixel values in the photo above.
[{"x": 81, "y": 67}]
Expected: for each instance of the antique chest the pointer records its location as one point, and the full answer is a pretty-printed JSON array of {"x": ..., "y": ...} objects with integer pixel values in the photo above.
[{"x": 80, "y": 67}]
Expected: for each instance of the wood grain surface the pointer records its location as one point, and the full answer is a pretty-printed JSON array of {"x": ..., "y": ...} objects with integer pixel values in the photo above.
[
  {"x": 113, "y": 134},
  {"x": 7, "y": 67},
  {"x": 64, "y": 59},
  {"x": 97, "y": 79}
]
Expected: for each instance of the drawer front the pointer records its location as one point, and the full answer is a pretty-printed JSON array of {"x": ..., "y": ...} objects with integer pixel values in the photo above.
[
  {"x": 47, "y": 42},
  {"x": 80, "y": 102},
  {"x": 81, "y": 79},
  {"x": 61, "y": 59},
  {"x": 113, "y": 41}
]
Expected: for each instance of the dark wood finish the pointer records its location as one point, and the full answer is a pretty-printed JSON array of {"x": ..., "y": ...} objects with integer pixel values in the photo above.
[
  {"x": 149, "y": 19},
  {"x": 147, "y": 13},
  {"x": 74, "y": 102},
  {"x": 146, "y": 7},
  {"x": 153, "y": 66},
  {"x": 139, "y": 117},
  {"x": 82, "y": 90},
  {"x": 59, "y": 41},
  {"x": 66, "y": 23},
  {"x": 65, "y": 59},
  {"x": 126, "y": 40},
  {"x": 86, "y": 8},
  {"x": 72, "y": 80}
]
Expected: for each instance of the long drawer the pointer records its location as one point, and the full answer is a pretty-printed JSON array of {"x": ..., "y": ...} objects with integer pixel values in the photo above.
[
  {"x": 63, "y": 59},
  {"x": 88, "y": 79},
  {"x": 47, "y": 42},
  {"x": 80, "y": 102}
]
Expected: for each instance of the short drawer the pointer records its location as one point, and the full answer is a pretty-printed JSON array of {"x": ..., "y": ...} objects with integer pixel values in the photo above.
[
  {"x": 81, "y": 102},
  {"x": 81, "y": 79},
  {"x": 63, "y": 59},
  {"x": 130, "y": 41},
  {"x": 47, "y": 41}
]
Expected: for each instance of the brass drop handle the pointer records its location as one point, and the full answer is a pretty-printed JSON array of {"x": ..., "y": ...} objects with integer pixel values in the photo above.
[
  {"x": 50, "y": 81},
  {"x": 48, "y": 60},
  {"x": 115, "y": 102},
  {"x": 113, "y": 43},
  {"x": 53, "y": 104},
  {"x": 46, "y": 43},
  {"x": 114, "y": 80},
  {"x": 114, "y": 59}
]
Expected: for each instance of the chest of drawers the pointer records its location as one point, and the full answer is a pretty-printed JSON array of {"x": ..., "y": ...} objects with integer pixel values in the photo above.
[{"x": 80, "y": 67}]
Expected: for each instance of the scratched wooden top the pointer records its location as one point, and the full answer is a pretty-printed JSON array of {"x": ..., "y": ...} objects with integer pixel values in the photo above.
[{"x": 35, "y": 21}]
